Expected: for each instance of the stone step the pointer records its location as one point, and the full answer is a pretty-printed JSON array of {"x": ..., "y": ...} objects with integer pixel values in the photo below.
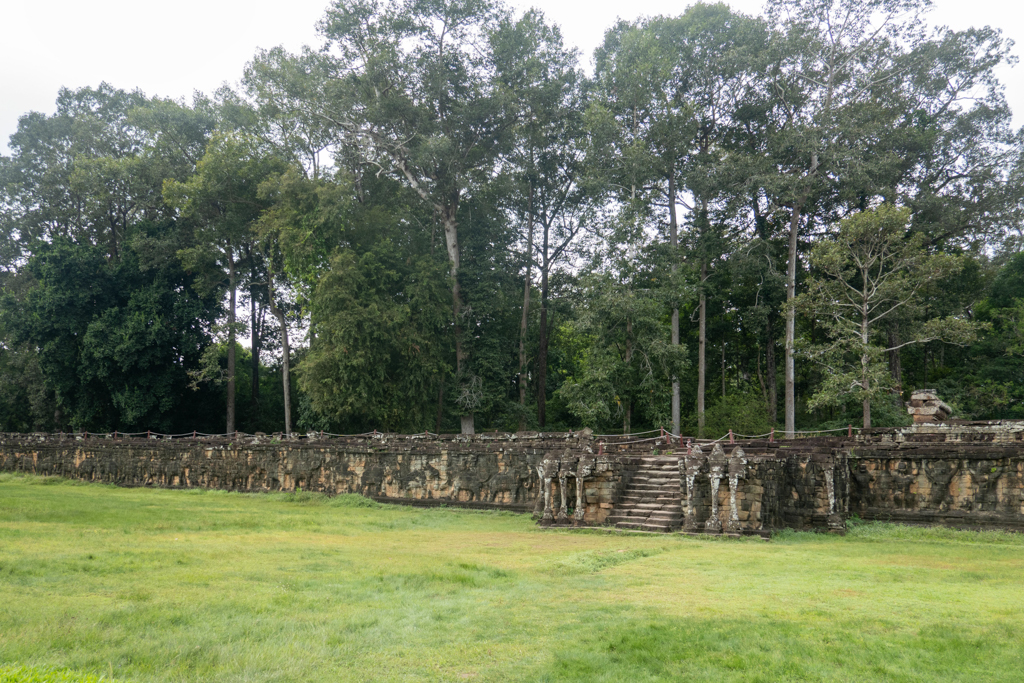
[
  {"x": 650, "y": 495},
  {"x": 652, "y": 498},
  {"x": 627, "y": 515},
  {"x": 633, "y": 511},
  {"x": 618, "y": 519},
  {"x": 652, "y": 501},
  {"x": 652, "y": 492}
]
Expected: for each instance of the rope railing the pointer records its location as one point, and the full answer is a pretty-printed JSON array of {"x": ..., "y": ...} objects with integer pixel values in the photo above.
[
  {"x": 150, "y": 434},
  {"x": 662, "y": 435}
]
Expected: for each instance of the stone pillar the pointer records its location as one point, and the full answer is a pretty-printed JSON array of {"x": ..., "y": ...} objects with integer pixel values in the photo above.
[
  {"x": 550, "y": 468},
  {"x": 836, "y": 523},
  {"x": 689, "y": 468},
  {"x": 563, "y": 510},
  {"x": 716, "y": 466},
  {"x": 538, "y": 507},
  {"x": 737, "y": 470},
  {"x": 584, "y": 469}
]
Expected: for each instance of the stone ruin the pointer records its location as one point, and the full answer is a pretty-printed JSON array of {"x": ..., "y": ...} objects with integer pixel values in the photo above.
[
  {"x": 939, "y": 471},
  {"x": 718, "y": 488},
  {"x": 926, "y": 408}
]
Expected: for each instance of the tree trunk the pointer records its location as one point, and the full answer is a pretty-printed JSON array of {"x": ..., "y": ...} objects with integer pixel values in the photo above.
[
  {"x": 286, "y": 375},
  {"x": 254, "y": 345},
  {"x": 895, "y": 366},
  {"x": 674, "y": 234},
  {"x": 524, "y": 323},
  {"x": 451, "y": 238},
  {"x": 772, "y": 376},
  {"x": 865, "y": 385},
  {"x": 440, "y": 408},
  {"x": 723, "y": 368},
  {"x": 542, "y": 352},
  {"x": 794, "y": 226},
  {"x": 285, "y": 356},
  {"x": 701, "y": 347},
  {"x": 231, "y": 342},
  {"x": 627, "y": 413},
  {"x": 864, "y": 358}
]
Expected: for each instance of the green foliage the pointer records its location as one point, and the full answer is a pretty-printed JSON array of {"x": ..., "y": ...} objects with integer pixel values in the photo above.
[
  {"x": 870, "y": 271},
  {"x": 623, "y": 358},
  {"x": 744, "y": 413},
  {"x": 81, "y": 174},
  {"x": 380, "y": 320},
  {"x": 307, "y": 222},
  {"x": 114, "y": 339},
  {"x": 399, "y": 193}
]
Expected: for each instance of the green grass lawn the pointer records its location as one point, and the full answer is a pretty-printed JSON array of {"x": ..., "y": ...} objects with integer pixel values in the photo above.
[{"x": 152, "y": 585}]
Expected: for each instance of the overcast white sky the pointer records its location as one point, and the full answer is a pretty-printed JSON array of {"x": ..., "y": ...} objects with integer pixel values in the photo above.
[{"x": 172, "y": 49}]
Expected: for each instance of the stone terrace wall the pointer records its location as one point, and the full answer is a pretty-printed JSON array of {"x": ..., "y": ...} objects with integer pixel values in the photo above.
[
  {"x": 964, "y": 474},
  {"x": 482, "y": 471},
  {"x": 786, "y": 485},
  {"x": 968, "y": 474},
  {"x": 799, "y": 484}
]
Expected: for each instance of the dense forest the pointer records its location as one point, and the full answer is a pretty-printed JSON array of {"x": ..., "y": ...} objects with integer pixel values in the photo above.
[{"x": 438, "y": 220}]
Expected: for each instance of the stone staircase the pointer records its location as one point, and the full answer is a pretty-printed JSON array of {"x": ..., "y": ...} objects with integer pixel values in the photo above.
[{"x": 652, "y": 500}]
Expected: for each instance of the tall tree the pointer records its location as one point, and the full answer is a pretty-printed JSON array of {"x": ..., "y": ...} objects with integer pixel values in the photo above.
[
  {"x": 417, "y": 92},
  {"x": 299, "y": 233},
  {"x": 834, "y": 69},
  {"x": 222, "y": 199},
  {"x": 286, "y": 93},
  {"x": 871, "y": 271},
  {"x": 641, "y": 129},
  {"x": 624, "y": 358},
  {"x": 553, "y": 191},
  {"x": 81, "y": 174},
  {"x": 674, "y": 85}
]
